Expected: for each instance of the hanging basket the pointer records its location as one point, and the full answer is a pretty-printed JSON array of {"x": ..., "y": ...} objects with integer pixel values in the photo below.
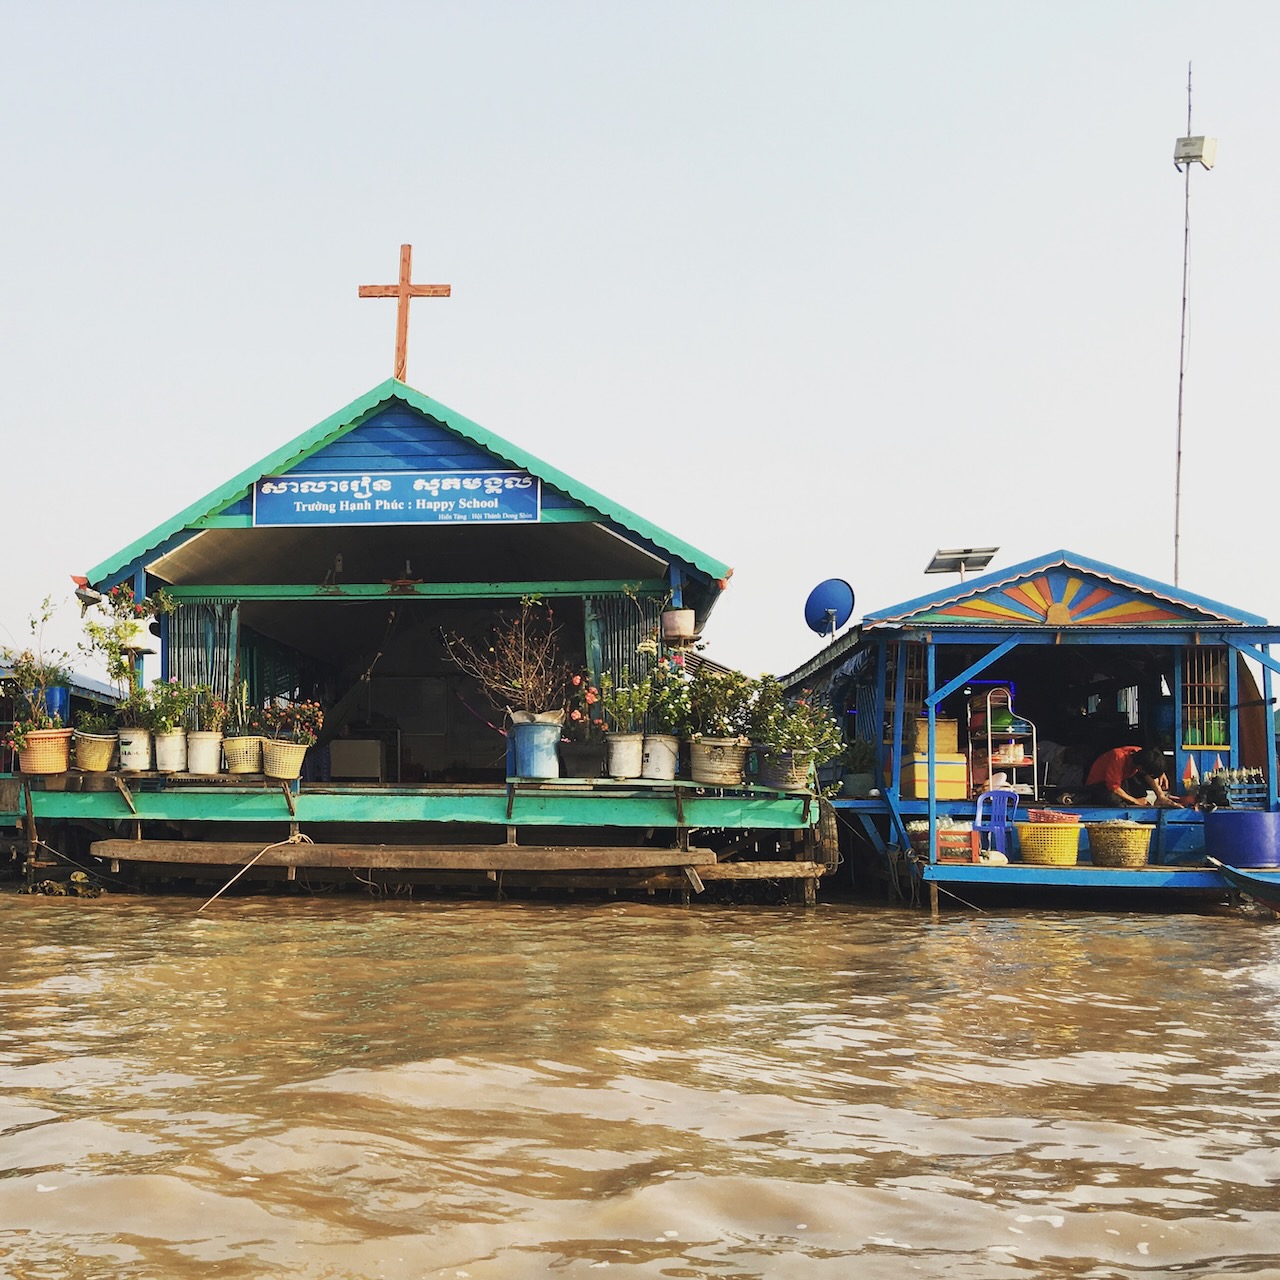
[
  {"x": 1114, "y": 844},
  {"x": 785, "y": 770},
  {"x": 282, "y": 760},
  {"x": 47, "y": 751},
  {"x": 717, "y": 761},
  {"x": 679, "y": 626},
  {"x": 94, "y": 751}
]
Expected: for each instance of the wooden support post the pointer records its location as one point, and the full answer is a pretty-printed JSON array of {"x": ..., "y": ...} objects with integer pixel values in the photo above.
[
  {"x": 511, "y": 836},
  {"x": 127, "y": 794},
  {"x": 810, "y": 891},
  {"x": 29, "y": 823},
  {"x": 287, "y": 791},
  {"x": 291, "y": 873},
  {"x": 933, "y": 898},
  {"x": 694, "y": 879},
  {"x": 511, "y": 799}
]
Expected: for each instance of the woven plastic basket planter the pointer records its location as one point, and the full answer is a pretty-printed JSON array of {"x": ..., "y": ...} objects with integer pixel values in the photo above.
[
  {"x": 243, "y": 754},
  {"x": 1049, "y": 844},
  {"x": 786, "y": 771},
  {"x": 94, "y": 751},
  {"x": 283, "y": 760},
  {"x": 47, "y": 751},
  {"x": 1114, "y": 844},
  {"x": 717, "y": 761}
]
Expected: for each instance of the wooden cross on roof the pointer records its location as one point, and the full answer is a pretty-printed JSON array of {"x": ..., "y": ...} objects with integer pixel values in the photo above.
[{"x": 404, "y": 291}]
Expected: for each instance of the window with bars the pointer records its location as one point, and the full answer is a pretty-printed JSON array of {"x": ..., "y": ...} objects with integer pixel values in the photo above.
[{"x": 1205, "y": 697}]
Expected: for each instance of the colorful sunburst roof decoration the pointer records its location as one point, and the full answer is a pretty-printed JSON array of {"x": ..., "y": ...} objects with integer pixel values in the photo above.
[{"x": 1063, "y": 590}]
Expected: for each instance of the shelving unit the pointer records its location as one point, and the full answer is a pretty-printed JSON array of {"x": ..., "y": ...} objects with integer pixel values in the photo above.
[{"x": 999, "y": 742}]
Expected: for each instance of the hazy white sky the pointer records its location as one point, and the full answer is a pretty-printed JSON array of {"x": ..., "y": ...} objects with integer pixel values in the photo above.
[{"x": 817, "y": 287}]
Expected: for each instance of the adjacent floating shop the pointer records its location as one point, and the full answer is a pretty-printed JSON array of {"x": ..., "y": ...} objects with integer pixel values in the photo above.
[{"x": 980, "y": 709}]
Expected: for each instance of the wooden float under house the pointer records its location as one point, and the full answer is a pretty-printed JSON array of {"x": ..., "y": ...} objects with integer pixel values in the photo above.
[
  {"x": 1014, "y": 682},
  {"x": 337, "y": 569}
]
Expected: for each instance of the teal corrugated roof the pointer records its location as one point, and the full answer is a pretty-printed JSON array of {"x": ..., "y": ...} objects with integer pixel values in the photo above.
[{"x": 338, "y": 424}]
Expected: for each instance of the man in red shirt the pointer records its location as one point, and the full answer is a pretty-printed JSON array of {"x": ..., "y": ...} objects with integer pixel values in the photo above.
[{"x": 1124, "y": 775}]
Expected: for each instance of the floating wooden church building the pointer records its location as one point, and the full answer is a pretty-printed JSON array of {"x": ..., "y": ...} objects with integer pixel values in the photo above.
[
  {"x": 1014, "y": 682},
  {"x": 334, "y": 569}
]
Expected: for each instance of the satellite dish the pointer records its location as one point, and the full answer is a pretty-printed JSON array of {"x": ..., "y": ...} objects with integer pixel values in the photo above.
[{"x": 829, "y": 606}]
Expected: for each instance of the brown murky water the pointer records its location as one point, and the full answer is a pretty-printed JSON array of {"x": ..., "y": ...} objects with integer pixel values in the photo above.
[{"x": 347, "y": 1089}]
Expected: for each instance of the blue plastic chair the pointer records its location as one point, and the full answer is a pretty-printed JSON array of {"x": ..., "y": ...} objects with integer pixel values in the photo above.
[{"x": 1002, "y": 804}]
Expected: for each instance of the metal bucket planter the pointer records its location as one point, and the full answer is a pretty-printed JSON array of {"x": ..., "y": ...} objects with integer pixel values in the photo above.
[
  {"x": 47, "y": 751},
  {"x": 135, "y": 750},
  {"x": 94, "y": 751},
  {"x": 536, "y": 743},
  {"x": 785, "y": 770},
  {"x": 204, "y": 752},
  {"x": 717, "y": 761},
  {"x": 626, "y": 754},
  {"x": 282, "y": 760},
  {"x": 243, "y": 753},
  {"x": 661, "y": 756}
]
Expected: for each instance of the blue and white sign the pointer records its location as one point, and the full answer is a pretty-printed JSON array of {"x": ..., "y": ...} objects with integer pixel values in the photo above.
[{"x": 397, "y": 497}]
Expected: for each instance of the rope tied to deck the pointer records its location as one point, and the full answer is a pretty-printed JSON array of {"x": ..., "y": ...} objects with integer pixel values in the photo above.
[{"x": 296, "y": 838}]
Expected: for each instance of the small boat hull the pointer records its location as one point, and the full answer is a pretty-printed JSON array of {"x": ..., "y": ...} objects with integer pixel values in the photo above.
[{"x": 1264, "y": 888}]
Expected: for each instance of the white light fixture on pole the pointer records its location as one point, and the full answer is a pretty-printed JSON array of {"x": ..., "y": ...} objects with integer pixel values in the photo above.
[{"x": 1186, "y": 152}]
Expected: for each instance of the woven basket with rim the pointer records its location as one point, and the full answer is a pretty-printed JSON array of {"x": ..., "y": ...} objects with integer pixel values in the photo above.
[
  {"x": 1113, "y": 844},
  {"x": 47, "y": 751},
  {"x": 243, "y": 755},
  {"x": 282, "y": 760},
  {"x": 94, "y": 751},
  {"x": 1049, "y": 844},
  {"x": 717, "y": 761},
  {"x": 787, "y": 771},
  {"x": 1051, "y": 815}
]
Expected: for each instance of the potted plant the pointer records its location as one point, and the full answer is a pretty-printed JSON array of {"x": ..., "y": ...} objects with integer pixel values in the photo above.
[
  {"x": 719, "y": 710},
  {"x": 582, "y": 746},
  {"x": 625, "y": 706},
  {"x": 668, "y": 718},
  {"x": 860, "y": 760},
  {"x": 95, "y": 740},
  {"x": 290, "y": 728},
  {"x": 204, "y": 738},
  {"x": 242, "y": 743},
  {"x": 794, "y": 736},
  {"x": 37, "y": 734},
  {"x": 170, "y": 706},
  {"x": 133, "y": 714},
  {"x": 129, "y": 615},
  {"x": 519, "y": 667}
]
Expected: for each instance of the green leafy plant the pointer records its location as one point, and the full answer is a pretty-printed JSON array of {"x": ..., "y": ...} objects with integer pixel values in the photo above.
[
  {"x": 720, "y": 703},
  {"x": 669, "y": 706},
  {"x": 120, "y": 602},
  {"x": 796, "y": 726},
  {"x": 170, "y": 705},
  {"x": 625, "y": 704},
  {"x": 101, "y": 724},
  {"x": 860, "y": 756},
  {"x": 244, "y": 719},
  {"x": 135, "y": 710}
]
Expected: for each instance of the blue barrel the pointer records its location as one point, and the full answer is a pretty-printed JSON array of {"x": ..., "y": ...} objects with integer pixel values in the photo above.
[
  {"x": 537, "y": 754},
  {"x": 57, "y": 702},
  {"x": 1243, "y": 837}
]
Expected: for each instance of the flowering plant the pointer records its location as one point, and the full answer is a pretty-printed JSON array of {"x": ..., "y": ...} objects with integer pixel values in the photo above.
[
  {"x": 294, "y": 721},
  {"x": 800, "y": 726},
  {"x": 31, "y": 673},
  {"x": 669, "y": 707},
  {"x": 584, "y": 721},
  {"x": 208, "y": 711},
  {"x": 121, "y": 603},
  {"x": 170, "y": 705},
  {"x": 719, "y": 703},
  {"x": 626, "y": 704},
  {"x": 243, "y": 720}
]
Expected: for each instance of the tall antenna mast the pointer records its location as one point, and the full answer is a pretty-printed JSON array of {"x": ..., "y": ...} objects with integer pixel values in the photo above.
[{"x": 1186, "y": 151}]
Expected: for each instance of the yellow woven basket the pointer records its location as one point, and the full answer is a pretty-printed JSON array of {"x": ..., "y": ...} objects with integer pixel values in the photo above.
[
  {"x": 244, "y": 755},
  {"x": 47, "y": 751},
  {"x": 1049, "y": 844},
  {"x": 1112, "y": 844}
]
